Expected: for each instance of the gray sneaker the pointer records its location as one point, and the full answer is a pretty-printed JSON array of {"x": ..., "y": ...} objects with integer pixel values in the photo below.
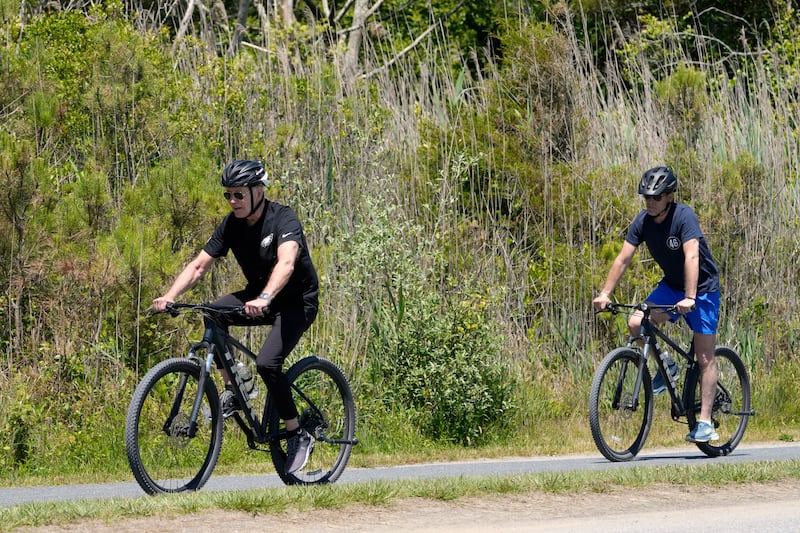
[
  {"x": 229, "y": 403},
  {"x": 299, "y": 448}
]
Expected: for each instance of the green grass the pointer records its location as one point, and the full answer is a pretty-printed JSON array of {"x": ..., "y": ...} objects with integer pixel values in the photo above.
[
  {"x": 379, "y": 493},
  {"x": 543, "y": 437}
]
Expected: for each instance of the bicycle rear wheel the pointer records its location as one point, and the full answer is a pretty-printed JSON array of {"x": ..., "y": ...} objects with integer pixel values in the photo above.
[
  {"x": 162, "y": 457},
  {"x": 620, "y": 422},
  {"x": 731, "y": 410},
  {"x": 327, "y": 411}
]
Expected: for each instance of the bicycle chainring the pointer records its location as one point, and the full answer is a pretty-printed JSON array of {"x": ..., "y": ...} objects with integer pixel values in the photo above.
[{"x": 313, "y": 422}]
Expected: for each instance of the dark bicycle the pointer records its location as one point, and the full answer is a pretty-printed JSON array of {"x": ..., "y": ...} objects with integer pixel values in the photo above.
[
  {"x": 174, "y": 426},
  {"x": 621, "y": 399}
]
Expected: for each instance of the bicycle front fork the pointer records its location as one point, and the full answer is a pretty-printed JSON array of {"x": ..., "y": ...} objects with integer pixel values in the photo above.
[{"x": 205, "y": 374}]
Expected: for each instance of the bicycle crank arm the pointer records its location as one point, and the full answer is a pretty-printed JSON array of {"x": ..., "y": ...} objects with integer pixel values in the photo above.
[
  {"x": 338, "y": 441},
  {"x": 742, "y": 413}
]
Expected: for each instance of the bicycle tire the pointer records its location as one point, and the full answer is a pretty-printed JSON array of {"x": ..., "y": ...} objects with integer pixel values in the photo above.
[
  {"x": 161, "y": 456},
  {"x": 733, "y": 396},
  {"x": 619, "y": 428},
  {"x": 324, "y": 385}
]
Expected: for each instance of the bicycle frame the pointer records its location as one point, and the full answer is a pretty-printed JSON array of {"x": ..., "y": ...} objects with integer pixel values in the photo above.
[
  {"x": 176, "y": 420},
  {"x": 650, "y": 333},
  {"x": 621, "y": 400},
  {"x": 218, "y": 342},
  {"x": 219, "y": 345},
  {"x": 211, "y": 343}
]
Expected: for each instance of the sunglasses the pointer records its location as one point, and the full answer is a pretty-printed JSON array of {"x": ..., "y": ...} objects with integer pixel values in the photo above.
[
  {"x": 237, "y": 195},
  {"x": 654, "y": 197}
]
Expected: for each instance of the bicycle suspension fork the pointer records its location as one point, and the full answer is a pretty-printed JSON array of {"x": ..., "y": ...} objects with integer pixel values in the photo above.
[
  {"x": 634, "y": 400},
  {"x": 210, "y": 339},
  {"x": 205, "y": 374}
]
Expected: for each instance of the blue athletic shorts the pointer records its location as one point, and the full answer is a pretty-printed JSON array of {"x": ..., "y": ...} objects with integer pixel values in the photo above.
[{"x": 705, "y": 317}]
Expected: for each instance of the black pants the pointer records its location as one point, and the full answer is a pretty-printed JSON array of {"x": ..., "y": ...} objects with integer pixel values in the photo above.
[{"x": 288, "y": 325}]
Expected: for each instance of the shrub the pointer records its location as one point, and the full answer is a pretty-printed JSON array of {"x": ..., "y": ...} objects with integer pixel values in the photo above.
[{"x": 446, "y": 364}]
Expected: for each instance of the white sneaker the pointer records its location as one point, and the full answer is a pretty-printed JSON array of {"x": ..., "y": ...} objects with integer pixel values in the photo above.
[{"x": 702, "y": 432}]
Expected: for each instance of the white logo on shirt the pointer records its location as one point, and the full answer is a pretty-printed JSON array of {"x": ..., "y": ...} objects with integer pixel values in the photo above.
[
  {"x": 286, "y": 235},
  {"x": 673, "y": 243},
  {"x": 266, "y": 241}
]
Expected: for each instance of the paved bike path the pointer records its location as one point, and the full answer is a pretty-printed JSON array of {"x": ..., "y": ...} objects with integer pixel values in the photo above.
[{"x": 487, "y": 467}]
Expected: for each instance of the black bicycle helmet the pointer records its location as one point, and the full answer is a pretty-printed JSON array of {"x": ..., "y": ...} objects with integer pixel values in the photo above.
[
  {"x": 658, "y": 180},
  {"x": 244, "y": 173}
]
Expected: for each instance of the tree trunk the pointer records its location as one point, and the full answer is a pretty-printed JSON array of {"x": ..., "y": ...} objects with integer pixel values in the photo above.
[
  {"x": 187, "y": 18},
  {"x": 361, "y": 12},
  {"x": 287, "y": 12},
  {"x": 241, "y": 26}
]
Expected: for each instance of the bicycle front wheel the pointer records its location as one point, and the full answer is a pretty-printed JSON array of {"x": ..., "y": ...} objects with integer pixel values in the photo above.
[
  {"x": 731, "y": 410},
  {"x": 327, "y": 411},
  {"x": 162, "y": 455},
  {"x": 619, "y": 418}
]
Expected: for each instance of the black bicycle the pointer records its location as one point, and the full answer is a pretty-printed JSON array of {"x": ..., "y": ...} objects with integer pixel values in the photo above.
[
  {"x": 174, "y": 426},
  {"x": 621, "y": 399}
]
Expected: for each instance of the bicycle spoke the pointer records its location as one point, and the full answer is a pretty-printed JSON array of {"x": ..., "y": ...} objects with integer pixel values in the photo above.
[
  {"x": 619, "y": 421},
  {"x": 326, "y": 410},
  {"x": 162, "y": 455},
  {"x": 731, "y": 409}
]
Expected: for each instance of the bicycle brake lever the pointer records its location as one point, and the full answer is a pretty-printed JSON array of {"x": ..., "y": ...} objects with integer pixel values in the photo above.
[{"x": 607, "y": 309}]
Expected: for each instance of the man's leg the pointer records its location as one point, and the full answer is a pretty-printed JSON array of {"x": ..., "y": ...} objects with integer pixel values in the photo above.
[
  {"x": 704, "y": 346},
  {"x": 286, "y": 331},
  {"x": 284, "y": 335},
  {"x": 635, "y": 321}
]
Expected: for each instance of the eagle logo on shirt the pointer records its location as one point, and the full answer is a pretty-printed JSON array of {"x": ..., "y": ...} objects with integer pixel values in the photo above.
[
  {"x": 673, "y": 243},
  {"x": 266, "y": 241}
]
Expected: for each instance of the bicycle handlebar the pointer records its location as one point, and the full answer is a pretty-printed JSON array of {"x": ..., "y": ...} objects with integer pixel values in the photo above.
[
  {"x": 210, "y": 310},
  {"x": 646, "y": 308}
]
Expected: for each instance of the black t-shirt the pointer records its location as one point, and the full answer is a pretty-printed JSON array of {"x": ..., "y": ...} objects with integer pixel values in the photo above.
[
  {"x": 256, "y": 250},
  {"x": 665, "y": 242}
]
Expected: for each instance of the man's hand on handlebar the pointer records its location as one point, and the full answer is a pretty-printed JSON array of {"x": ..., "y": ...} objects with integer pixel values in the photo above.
[
  {"x": 686, "y": 305},
  {"x": 160, "y": 304},
  {"x": 601, "y": 302},
  {"x": 256, "y": 307}
]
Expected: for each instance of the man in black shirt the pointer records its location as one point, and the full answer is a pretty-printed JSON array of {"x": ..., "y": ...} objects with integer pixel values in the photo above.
[{"x": 282, "y": 288}]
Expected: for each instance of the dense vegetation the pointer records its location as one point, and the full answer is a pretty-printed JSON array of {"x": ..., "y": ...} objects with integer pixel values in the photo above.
[{"x": 463, "y": 194}]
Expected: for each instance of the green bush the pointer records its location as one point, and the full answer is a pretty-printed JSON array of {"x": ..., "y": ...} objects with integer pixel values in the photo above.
[
  {"x": 683, "y": 95},
  {"x": 446, "y": 363}
]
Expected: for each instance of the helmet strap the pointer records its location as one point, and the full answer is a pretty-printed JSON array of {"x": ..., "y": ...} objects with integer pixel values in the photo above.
[
  {"x": 666, "y": 210},
  {"x": 254, "y": 208}
]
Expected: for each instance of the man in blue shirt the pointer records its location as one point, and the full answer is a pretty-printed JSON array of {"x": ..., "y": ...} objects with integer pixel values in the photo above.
[{"x": 673, "y": 236}]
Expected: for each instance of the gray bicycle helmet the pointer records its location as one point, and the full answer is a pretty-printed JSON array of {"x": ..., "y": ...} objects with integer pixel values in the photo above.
[
  {"x": 244, "y": 173},
  {"x": 658, "y": 180}
]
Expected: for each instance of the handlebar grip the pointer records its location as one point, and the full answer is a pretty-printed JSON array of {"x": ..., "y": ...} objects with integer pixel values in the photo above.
[{"x": 609, "y": 308}]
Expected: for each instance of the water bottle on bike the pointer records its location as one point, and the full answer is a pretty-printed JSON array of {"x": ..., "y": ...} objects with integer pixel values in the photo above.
[
  {"x": 250, "y": 385},
  {"x": 674, "y": 371}
]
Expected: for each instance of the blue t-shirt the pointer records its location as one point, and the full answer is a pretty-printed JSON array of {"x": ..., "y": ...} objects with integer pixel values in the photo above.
[{"x": 665, "y": 242}]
